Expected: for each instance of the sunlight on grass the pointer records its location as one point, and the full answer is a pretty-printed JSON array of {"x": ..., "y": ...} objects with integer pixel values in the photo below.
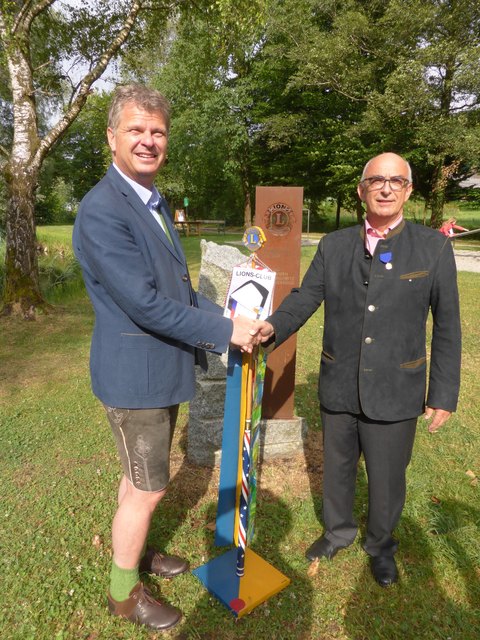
[{"x": 59, "y": 479}]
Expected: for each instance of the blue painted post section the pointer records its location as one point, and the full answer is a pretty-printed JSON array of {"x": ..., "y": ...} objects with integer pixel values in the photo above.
[{"x": 224, "y": 531}]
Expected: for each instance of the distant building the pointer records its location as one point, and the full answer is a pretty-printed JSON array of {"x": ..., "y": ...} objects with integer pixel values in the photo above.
[{"x": 473, "y": 182}]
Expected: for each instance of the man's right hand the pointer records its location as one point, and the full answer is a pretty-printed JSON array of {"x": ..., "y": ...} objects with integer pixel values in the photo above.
[
  {"x": 244, "y": 334},
  {"x": 247, "y": 333},
  {"x": 266, "y": 331}
]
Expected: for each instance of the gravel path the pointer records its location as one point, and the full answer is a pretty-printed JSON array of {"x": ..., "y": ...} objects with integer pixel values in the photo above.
[{"x": 466, "y": 260}]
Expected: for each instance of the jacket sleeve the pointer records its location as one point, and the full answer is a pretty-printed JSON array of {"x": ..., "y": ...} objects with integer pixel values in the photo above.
[
  {"x": 302, "y": 301},
  {"x": 444, "y": 378}
]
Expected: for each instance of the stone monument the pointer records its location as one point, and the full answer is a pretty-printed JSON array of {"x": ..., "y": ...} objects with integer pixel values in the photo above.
[
  {"x": 281, "y": 432},
  {"x": 205, "y": 423}
]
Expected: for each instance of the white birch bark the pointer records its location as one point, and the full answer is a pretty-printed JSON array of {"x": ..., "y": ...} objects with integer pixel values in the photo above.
[{"x": 21, "y": 164}]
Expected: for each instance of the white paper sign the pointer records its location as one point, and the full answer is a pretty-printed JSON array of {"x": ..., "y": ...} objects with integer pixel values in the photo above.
[{"x": 251, "y": 292}]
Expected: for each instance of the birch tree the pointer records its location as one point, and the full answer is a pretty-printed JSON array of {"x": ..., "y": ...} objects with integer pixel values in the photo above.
[{"x": 52, "y": 52}]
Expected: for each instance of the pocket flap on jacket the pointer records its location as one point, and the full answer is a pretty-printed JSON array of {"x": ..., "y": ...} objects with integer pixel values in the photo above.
[
  {"x": 414, "y": 274},
  {"x": 327, "y": 356},
  {"x": 413, "y": 364}
]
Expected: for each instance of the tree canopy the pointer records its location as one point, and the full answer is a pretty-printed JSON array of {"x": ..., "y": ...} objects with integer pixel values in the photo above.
[
  {"x": 263, "y": 92},
  {"x": 306, "y": 91}
]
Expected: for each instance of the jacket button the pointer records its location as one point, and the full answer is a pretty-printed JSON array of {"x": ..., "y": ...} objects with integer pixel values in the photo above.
[
  {"x": 185, "y": 277},
  {"x": 365, "y": 282},
  {"x": 368, "y": 340},
  {"x": 371, "y": 307}
]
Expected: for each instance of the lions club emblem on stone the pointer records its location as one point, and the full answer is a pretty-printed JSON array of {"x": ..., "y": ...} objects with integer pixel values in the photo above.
[{"x": 279, "y": 219}]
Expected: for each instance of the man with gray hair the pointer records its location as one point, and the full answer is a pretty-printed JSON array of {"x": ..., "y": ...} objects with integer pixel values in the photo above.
[
  {"x": 150, "y": 329},
  {"x": 378, "y": 281}
]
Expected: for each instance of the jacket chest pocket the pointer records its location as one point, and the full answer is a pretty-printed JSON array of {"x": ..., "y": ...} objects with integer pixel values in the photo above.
[{"x": 415, "y": 283}]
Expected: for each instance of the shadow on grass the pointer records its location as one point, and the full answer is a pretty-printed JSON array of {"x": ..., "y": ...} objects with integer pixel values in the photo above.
[
  {"x": 188, "y": 487},
  {"x": 418, "y": 606},
  {"x": 425, "y": 604},
  {"x": 191, "y": 502},
  {"x": 286, "y": 615}
]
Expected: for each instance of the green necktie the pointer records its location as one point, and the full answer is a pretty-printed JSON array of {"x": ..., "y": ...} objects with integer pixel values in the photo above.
[{"x": 163, "y": 224}]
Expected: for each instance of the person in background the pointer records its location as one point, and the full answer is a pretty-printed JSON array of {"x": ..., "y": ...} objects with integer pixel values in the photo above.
[
  {"x": 450, "y": 226},
  {"x": 378, "y": 282},
  {"x": 150, "y": 328}
]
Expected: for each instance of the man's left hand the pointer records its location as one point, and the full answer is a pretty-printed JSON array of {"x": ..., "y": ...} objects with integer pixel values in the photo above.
[{"x": 438, "y": 418}]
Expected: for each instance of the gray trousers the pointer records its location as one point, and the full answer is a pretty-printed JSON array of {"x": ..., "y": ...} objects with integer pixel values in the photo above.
[{"x": 387, "y": 449}]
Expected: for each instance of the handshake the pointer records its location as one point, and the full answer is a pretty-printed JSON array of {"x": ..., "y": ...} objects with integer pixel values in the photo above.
[{"x": 248, "y": 333}]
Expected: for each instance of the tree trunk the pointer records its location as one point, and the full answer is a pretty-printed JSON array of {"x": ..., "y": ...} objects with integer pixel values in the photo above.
[
  {"x": 337, "y": 214},
  {"x": 247, "y": 199},
  {"x": 426, "y": 206},
  {"x": 437, "y": 198},
  {"x": 21, "y": 294},
  {"x": 359, "y": 209},
  {"x": 247, "y": 213},
  {"x": 437, "y": 201},
  {"x": 442, "y": 176}
]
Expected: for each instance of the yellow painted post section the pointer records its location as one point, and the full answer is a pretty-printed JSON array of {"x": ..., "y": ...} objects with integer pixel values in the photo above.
[{"x": 243, "y": 414}]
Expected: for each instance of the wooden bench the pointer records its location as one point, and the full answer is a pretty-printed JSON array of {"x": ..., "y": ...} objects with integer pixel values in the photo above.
[{"x": 196, "y": 226}]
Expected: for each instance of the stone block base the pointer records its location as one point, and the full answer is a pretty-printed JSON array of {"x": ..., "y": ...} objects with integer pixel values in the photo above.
[
  {"x": 278, "y": 439},
  {"x": 282, "y": 438},
  {"x": 204, "y": 444}
]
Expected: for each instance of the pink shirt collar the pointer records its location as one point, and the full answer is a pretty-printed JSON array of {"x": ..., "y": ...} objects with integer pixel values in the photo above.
[{"x": 372, "y": 235}]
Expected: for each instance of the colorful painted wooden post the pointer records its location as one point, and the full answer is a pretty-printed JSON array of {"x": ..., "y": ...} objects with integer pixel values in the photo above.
[{"x": 240, "y": 578}]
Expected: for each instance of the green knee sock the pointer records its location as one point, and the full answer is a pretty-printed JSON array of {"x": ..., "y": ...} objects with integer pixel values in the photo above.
[{"x": 122, "y": 582}]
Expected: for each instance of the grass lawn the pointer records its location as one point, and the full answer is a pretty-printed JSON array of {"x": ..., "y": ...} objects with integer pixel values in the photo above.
[{"x": 60, "y": 473}]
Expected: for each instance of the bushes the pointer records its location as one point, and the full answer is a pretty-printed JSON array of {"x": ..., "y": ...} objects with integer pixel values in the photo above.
[
  {"x": 59, "y": 272},
  {"x": 60, "y": 275}
]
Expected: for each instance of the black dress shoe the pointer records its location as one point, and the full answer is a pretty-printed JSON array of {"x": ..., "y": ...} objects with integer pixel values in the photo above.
[
  {"x": 384, "y": 570},
  {"x": 323, "y": 548}
]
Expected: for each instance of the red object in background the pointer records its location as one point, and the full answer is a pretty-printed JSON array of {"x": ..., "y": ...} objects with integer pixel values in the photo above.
[{"x": 449, "y": 227}]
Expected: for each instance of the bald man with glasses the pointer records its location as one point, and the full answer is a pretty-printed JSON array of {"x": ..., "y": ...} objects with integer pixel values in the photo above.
[{"x": 378, "y": 281}]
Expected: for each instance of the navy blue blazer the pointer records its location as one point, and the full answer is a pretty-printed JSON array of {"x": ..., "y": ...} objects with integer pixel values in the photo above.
[
  {"x": 374, "y": 356},
  {"x": 148, "y": 320}
]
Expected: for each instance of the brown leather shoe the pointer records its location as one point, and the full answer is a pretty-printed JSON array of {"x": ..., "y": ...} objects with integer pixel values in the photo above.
[
  {"x": 142, "y": 608},
  {"x": 162, "y": 565}
]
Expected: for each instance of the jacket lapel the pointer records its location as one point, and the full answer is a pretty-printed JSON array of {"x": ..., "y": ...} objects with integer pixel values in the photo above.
[
  {"x": 167, "y": 216},
  {"x": 145, "y": 214}
]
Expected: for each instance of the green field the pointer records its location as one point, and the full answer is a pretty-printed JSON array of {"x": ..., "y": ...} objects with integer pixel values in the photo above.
[{"x": 60, "y": 473}]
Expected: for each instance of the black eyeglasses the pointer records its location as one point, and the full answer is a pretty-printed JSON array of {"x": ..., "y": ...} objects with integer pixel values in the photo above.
[{"x": 376, "y": 183}]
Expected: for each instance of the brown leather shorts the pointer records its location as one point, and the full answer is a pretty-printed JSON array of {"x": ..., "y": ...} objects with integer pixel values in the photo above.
[{"x": 144, "y": 438}]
